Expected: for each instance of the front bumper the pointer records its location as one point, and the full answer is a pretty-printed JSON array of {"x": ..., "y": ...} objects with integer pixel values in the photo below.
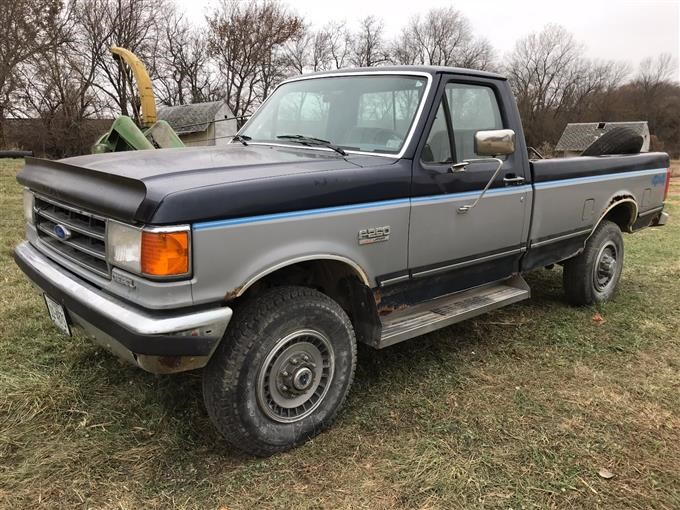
[{"x": 159, "y": 342}]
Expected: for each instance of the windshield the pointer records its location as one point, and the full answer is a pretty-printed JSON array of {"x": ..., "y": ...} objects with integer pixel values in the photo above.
[{"x": 370, "y": 113}]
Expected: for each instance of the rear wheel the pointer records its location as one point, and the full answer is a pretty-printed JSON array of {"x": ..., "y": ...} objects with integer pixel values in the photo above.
[
  {"x": 592, "y": 277},
  {"x": 282, "y": 371}
]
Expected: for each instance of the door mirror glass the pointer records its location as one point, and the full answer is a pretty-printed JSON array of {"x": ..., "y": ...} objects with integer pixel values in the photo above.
[{"x": 494, "y": 142}]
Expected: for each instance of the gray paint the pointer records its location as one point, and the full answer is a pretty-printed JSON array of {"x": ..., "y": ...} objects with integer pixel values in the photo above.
[
  {"x": 227, "y": 257},
  {"x": 559, "y": 205},
  {"x": 439, "y": 233}
]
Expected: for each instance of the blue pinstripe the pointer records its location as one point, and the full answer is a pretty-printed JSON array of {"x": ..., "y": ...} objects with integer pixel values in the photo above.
[{"x": 416, "y": 200}]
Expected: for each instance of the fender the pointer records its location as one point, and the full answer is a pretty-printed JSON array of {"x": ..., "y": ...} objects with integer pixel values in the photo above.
[
  {"x": 618, "y": 199},
  {"x": 318, "y": 256}
]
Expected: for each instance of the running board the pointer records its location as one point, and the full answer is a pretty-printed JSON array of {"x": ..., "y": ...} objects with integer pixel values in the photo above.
[{"x": 441, "y": 312}]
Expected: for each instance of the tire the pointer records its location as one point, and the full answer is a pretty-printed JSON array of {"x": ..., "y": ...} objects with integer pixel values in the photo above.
[
  {"x": 282, "y": 371},
  {"x": 620, "y": 140},
  {"x": 591, "y": 278}
]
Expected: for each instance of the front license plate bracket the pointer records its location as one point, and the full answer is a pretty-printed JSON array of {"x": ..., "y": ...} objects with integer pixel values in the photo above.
[{"x": 58, "y": 315}]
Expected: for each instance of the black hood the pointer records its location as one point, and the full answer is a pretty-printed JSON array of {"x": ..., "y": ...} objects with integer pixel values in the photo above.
[{"x": 184, "y": 185}]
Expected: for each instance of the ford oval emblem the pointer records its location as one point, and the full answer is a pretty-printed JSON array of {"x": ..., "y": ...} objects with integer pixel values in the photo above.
[{"x": 62, "y": 232}]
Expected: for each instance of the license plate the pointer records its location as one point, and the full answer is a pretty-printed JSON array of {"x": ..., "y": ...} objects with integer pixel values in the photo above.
[{"x": 58, "y": 315}]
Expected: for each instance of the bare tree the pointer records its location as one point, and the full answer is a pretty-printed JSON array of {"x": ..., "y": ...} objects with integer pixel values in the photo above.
[
  {"x": 369, "y": 48},
  {"x": 58, "y": 90},
  {"x": 27, "y": 28},
  {"x": 131, "y": 24},
  {"x": 321, "y": 58},
  {"x": 652, "y": 81},
  {"x": 442, "y": 37},
  {"x": 246, "y": 39},
  {"x": 593, "y": 82},
  {"x": 339, "y": 44},
  {"x": 477, "y": 54},
  {"x": 318, "y": 50},
  {"x": 183, "y": 71},
  {"x": 297, "y": 51},
  {"x": 654, "y": 72},
  {"x": 543, "y": 70}
]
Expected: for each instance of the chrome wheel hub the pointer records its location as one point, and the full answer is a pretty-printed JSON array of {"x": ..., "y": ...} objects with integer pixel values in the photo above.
[
  {"x": 605, "y": 266},
  {"x": 295, "y": 376},
  {"x": 302, "y": 379}
]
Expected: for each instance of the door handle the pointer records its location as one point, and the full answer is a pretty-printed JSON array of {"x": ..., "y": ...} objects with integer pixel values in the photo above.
[
  {"x": 458, "y": 167},
  {"x": 513, "y": 180}
]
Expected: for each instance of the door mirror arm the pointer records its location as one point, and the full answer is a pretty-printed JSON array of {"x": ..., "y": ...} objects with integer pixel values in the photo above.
[{"x": 465, "y": 208}]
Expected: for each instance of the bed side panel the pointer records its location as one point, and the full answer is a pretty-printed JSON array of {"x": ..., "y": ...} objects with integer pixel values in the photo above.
[{"x": 571, "y": 195}]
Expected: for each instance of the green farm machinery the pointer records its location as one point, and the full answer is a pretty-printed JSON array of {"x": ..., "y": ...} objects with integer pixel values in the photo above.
[{"x": 125, "y": 134}]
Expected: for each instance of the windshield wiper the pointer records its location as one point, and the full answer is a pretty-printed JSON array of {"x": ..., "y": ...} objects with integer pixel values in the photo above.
[
  {"x": 310, "y": 141},
  {"x": 244, "y": 139}
]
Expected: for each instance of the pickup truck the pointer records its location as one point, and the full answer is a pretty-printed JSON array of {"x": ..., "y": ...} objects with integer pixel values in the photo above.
[{"x": 366, "y": 205}]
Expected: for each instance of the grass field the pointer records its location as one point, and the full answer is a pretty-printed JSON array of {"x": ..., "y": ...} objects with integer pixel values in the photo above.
[
  {"x": 675, "y": 167},
  {"x": 517, "y": 409}
]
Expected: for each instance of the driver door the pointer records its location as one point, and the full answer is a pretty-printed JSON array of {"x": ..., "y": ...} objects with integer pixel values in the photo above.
[{"x": 485, "y": 243}]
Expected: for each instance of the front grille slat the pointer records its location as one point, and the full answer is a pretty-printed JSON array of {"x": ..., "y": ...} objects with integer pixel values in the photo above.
[
  {"x": 86, "y": 245},
  {"x": 75, "y": 244},
  {"x": 73, "y": 225}
]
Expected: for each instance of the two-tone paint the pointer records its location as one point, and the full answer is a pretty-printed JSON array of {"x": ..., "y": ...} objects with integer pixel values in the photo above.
[{"x": 256, "y": 210}]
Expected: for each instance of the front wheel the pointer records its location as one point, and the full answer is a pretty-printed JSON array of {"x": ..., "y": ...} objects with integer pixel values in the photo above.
[
  {"x": 592, "y": 276},
  {"x": 282, "y": 371}
]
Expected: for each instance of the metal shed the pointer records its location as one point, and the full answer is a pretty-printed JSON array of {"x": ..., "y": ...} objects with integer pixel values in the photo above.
[{"x": 201, "y": 123}]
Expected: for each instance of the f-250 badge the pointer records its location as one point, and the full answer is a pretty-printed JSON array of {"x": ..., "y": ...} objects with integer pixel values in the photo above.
[{"x": 374, "y": 235}]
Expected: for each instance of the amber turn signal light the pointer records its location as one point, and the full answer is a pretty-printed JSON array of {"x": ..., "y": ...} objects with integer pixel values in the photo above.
[{"x": 165, "y": 253}]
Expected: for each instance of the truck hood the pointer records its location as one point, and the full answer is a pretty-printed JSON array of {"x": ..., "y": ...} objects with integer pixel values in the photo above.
[
  {"x": 167, "y": 186},
  {"x": 226, "y": 163}
]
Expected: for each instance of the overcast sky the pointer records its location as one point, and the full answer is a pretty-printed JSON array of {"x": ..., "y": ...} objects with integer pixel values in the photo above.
[{"x": 627, "y": 30}]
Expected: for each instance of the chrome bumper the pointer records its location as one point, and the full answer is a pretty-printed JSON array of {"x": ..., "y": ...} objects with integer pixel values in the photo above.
[{"x": 148, "y": 336}]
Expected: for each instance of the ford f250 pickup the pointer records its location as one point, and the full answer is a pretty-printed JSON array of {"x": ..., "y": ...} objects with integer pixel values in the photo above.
[{"x": 369, "y": 205}]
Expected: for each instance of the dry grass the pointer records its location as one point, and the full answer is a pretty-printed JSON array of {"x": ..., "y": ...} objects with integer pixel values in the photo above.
[
  {"x": 516, "y": 409},
  {"x": 675, "y": 167}
]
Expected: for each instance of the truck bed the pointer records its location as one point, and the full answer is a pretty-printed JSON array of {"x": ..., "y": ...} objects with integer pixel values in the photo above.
[{"x": 572, "y": 194}]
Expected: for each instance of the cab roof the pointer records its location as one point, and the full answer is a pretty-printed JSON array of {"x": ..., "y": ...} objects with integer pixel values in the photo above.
[{"x": 433, "y": 70}]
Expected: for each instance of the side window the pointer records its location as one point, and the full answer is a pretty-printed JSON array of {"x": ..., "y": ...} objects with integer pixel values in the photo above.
[
  {"x": 438, "y": 147},
  {"x": 473, "y": 108}
]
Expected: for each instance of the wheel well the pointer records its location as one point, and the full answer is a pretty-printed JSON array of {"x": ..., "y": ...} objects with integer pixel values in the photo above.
[
  {"x": 622, "y": 211},
  {"x": 339, "y": 281}
]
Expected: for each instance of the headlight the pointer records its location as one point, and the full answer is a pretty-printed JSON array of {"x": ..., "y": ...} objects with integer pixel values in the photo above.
[
  {"x": 29, "y": 201},
  {"x": 124, "y": 246},
  {"x": 155, "y": 251}
]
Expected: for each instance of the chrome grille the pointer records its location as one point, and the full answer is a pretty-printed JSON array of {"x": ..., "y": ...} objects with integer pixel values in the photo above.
[{"x": 86, "y": 245}]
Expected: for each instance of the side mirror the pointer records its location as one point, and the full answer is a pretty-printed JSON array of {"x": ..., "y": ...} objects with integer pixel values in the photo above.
[{"x": 494, "y": 142}]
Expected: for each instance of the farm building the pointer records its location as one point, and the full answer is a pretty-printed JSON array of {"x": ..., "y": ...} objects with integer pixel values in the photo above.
[
  {"x": 200, "y": 123},
  {"x": 579, "y": 135}
]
